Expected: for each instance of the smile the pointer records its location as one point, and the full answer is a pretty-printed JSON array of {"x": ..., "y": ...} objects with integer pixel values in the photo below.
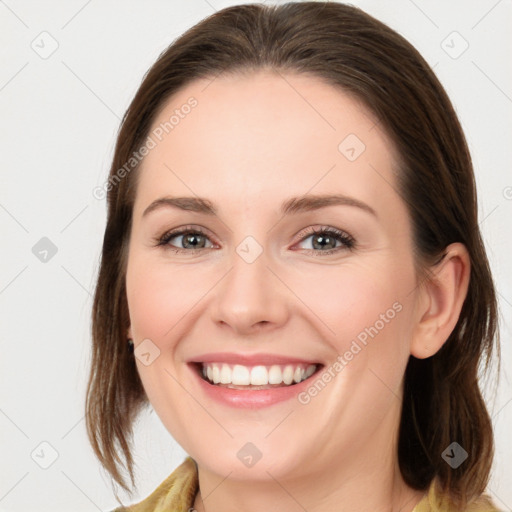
[
  {"x": 238, "y": 376},
  {"x": 252, "y": 385}
]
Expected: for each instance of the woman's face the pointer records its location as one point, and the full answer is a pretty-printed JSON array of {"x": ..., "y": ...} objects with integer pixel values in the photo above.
[{"x": 258, "y": 290}]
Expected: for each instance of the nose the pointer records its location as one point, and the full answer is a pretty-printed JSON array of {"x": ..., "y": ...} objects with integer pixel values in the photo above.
[{"x": 250, "y": 297}]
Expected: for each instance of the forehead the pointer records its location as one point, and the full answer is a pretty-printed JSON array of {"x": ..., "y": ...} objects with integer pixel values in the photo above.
[{"x": 237, "y": 137}]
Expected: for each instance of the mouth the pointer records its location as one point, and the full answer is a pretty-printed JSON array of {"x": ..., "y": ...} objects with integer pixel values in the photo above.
[{"x": 255, "y": 377}]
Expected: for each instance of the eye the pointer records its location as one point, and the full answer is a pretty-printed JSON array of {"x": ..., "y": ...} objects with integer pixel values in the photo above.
[
  {"x": 326, "y": 238},
  {"x": 191, "y": 238}
]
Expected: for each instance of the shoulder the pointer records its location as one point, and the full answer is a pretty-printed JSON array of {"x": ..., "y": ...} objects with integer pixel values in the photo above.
[
  {"x": 176, "y": 492},
  {"x": 483, "y": 504},
  {"x": 435, "y": 501}
]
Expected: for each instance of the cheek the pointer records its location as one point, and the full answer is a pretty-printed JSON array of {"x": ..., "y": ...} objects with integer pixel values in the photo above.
[
  {"x": 354, "y": 299},
  {"x": 160, "y": 300},
  {"x": 368, "y": 311},
  {"x": 159, "y": 296}
]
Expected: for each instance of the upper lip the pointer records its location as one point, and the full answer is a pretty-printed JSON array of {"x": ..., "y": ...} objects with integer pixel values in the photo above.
[{"x": 249, "y": 359}]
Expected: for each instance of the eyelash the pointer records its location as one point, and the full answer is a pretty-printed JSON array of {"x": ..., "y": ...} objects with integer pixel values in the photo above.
[{"x": 347, "y": 240}]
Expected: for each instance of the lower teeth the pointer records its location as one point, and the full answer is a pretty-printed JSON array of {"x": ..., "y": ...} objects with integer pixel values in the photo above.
[{"x": 266, "y": 386}]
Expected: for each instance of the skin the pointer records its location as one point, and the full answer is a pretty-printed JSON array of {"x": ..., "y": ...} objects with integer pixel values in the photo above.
[{"x": 251, "y": 143}]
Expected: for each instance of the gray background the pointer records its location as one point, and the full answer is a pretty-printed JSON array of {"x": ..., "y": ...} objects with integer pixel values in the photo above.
[{"x": 59, "y": 117}]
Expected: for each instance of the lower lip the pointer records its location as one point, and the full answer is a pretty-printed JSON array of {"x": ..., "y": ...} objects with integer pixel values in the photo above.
[{"x": 252, "y": 399}]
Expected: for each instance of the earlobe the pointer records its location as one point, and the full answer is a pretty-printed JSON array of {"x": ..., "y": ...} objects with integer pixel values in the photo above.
[{"x": 442, "y": 297}]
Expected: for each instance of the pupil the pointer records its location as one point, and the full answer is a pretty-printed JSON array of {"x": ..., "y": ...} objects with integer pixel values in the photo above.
[
  {"x": 325, "y": 239},
  {"x": 188, "y": 242}
]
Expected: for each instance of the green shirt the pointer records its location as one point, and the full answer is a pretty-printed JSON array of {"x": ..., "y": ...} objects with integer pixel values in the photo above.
[{"x": 178, "y": 491}]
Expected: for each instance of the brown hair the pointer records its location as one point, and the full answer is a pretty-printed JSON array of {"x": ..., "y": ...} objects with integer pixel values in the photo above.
[{"x": 363, "y": 57}]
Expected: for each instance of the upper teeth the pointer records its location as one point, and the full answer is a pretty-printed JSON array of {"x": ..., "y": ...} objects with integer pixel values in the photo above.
[{"x": 256, "y": 375}]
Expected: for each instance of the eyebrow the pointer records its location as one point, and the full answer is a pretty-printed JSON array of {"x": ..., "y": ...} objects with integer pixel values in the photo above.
[{"x": 293, "y": 205}]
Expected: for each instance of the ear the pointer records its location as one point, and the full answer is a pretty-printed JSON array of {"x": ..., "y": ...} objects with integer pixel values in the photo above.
[
  {"x": 129, "y": 333},
  {"x": 440, "y": 301}
]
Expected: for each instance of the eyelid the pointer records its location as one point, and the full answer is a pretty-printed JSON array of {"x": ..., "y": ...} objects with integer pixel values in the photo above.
[
  {"x": 346, "y": 239},
  {"x": 312, "y": 230},
  {"x": 183, "y": 230}
]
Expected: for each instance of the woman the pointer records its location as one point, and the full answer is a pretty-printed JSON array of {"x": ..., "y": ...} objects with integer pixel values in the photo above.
[{"x": 293, "y": 275}]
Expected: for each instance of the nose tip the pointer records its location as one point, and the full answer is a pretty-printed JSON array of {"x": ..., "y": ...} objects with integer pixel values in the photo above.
[{"x": 250, "y": 298}]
